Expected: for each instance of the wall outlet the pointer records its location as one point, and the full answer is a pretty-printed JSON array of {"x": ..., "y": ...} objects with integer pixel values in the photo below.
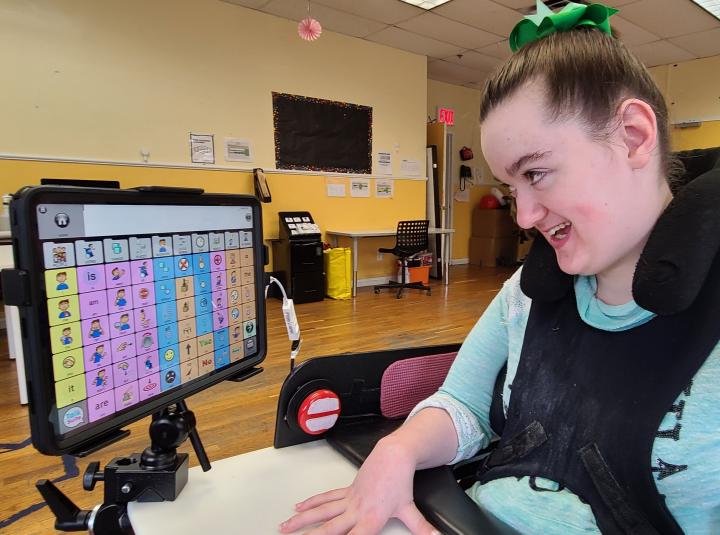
[{"x": 379, "y": 256}]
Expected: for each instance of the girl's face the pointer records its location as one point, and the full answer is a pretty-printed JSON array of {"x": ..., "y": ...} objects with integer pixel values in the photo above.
[{"x": 584, "y": 196}]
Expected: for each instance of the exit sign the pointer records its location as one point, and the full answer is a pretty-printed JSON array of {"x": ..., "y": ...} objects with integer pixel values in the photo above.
[{"x": 447, "y": 116}]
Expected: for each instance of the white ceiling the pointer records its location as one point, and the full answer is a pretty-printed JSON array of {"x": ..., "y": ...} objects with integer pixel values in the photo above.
[{"x": 465, "y": 39}]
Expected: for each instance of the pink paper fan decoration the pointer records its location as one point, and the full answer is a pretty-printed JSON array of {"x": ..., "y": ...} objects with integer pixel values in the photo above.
[{"x": 309, "y": 29}]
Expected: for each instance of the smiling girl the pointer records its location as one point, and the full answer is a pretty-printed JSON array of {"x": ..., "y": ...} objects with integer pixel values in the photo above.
[{"x": 610, "y": 411}]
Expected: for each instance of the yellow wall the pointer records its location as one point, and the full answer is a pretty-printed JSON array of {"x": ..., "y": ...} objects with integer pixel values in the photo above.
[
  {"x": 692, "y": 91},
  {"x": 336, "y": 213},
  {"x": 102, "y": 80},
  {"x": 466, "y": 103},
  {"x": 700, "y": 137},
  {"x": 99, "y": 81}
]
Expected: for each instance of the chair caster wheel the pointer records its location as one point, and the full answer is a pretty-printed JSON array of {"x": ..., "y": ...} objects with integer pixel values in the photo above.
[
  {"x": 377, "y": 290},
  {"x": 428, "y": 292}
]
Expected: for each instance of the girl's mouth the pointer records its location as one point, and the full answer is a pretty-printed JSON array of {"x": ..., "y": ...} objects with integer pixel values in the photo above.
[{"x": 559, "y": 234}]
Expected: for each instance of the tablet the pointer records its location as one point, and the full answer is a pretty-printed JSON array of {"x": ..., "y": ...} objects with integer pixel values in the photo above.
[{"x": 137, "y": 299}]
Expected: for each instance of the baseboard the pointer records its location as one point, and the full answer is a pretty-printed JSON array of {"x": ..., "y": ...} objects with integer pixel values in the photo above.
[
  {"x": 384, "y": 280},
  {"x": 372, "y": 282}
]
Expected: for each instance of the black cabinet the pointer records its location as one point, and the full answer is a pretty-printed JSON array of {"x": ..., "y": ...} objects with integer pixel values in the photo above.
[{"x": 298, "y": 257}]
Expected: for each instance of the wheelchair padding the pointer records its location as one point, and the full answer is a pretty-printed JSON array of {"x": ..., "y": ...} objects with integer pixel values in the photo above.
[
  {"x": 407, "y": 382},
  {"x": 355, "y": 377}
]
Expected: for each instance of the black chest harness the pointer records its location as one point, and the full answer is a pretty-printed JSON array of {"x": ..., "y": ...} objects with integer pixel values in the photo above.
[{"x": 586, "y": 404}]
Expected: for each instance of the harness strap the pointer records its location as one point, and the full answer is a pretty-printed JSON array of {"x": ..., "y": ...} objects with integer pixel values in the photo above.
[
  {"x": 520, "y": 445},
  {"x": 629, "y": 519}
]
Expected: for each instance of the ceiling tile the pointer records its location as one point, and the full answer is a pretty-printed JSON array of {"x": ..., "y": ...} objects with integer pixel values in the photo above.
[
  {"x": 618, "y": 3},
  {"x": 475, "y": 60},
  {"x": 482, "y": 14},
  {"x": 412, "y": 42},
  {"x": 389, "y": 12},
  {"x": 658, "y": 31},
  {"x": 702, "y": 44},
  {"x": 253, "y": 4},
  {"x": 330, "y": 19},
  {"x": 661, "y": 53},
  {"x": 480, "y": 85},
  {"x": 517, "y": 4},
  {"x": 632, "y": 34},
  {"x": 448, "y": 72},
  {"x": 528, "y": 6},
  {"x": 669, "y": 18},
  {"x": 499, "y": 50},
  {"x": 449, "y": 31}
]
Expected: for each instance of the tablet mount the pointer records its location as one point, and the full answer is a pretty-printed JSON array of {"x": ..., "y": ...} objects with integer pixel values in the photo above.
[{"x": 156, "y": 475}]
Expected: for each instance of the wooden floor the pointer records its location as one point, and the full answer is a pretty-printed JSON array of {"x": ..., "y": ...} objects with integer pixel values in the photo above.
[{"x": 235, "y": 418}]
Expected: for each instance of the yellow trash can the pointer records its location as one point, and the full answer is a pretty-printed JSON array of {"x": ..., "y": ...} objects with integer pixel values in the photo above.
[{"x": 338, "y": 273}]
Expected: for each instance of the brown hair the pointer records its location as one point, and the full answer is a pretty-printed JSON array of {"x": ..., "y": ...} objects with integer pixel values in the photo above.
[{"x": 586, "y": 74}]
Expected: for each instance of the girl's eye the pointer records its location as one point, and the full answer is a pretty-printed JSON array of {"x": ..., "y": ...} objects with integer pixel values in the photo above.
[{"x": 535, "y": 177}]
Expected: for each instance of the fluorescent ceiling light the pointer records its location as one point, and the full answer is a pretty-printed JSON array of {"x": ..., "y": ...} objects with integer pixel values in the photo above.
[
  {"x": 711, "y": 6},
  {"x": 425, "y": 4}
]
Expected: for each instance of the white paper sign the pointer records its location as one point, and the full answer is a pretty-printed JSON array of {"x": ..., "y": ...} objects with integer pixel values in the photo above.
[
  {"x": 238, "y": 150},
  {"x": 359, "y": 187},
  {"x": 383, "y": 188},
  {"x": 462, "y": 195},
  {"x": 410, "y": 168},
  {"x": 202, "y": 149},
  {"x": 335, "y": 187},
  {"x": 384, "y": 163}
]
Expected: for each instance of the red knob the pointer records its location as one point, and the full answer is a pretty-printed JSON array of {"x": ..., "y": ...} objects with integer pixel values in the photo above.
[{"x": 318, "y": 412}]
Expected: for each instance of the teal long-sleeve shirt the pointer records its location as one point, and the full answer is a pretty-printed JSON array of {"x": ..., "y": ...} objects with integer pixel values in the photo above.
[{"x": 686, "y": 453}]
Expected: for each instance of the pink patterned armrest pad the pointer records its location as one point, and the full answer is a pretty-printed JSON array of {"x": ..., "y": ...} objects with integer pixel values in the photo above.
[{"x": 406, "y": 383}]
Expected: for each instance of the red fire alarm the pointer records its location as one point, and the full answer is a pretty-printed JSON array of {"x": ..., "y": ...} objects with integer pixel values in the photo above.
[{"x": 319, "y": 411}]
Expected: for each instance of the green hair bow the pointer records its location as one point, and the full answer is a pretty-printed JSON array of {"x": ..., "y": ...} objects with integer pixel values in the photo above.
[{"x": 545, "y": 22}]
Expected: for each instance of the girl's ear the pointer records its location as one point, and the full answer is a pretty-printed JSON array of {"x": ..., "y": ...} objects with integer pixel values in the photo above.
[{"x": 638, "y": 131}]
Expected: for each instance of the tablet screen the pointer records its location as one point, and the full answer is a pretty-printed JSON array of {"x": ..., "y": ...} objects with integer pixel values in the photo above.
[{"x": 165, "y": 302}]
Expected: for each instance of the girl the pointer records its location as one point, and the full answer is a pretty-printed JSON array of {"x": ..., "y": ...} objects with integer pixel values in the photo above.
[{"x": 611, "y": 409}]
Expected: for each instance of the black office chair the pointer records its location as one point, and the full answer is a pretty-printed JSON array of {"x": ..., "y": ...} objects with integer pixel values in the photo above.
[{"x": 411, "y": 237}]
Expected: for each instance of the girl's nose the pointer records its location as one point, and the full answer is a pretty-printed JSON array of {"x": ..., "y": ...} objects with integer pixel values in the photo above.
[{"x": 529, "y": 210}]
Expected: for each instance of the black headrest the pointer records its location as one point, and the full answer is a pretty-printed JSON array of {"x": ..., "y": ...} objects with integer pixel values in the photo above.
[
  {"x": 674, "y": 264},
  {"x": 681, "y": 249},
  {"x": 698, "y": 162}
]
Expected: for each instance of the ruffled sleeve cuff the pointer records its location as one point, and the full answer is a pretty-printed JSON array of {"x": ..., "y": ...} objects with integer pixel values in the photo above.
[{"x": 470, "y": 436}]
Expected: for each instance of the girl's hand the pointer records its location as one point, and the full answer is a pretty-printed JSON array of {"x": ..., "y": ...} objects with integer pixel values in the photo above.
[{"x": 381, "y": 490}]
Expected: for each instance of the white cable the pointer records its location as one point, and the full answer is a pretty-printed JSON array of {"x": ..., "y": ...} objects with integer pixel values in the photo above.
[
  {"x": 273, "y": 280},
  {"x": 291, "y": 322}
]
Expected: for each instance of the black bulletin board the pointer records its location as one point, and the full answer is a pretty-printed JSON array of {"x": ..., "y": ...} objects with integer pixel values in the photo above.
[{"x": 313, "y": 134}]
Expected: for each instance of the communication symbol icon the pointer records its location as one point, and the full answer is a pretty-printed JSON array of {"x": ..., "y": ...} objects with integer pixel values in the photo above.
[{"x": 62, "y": 220}]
